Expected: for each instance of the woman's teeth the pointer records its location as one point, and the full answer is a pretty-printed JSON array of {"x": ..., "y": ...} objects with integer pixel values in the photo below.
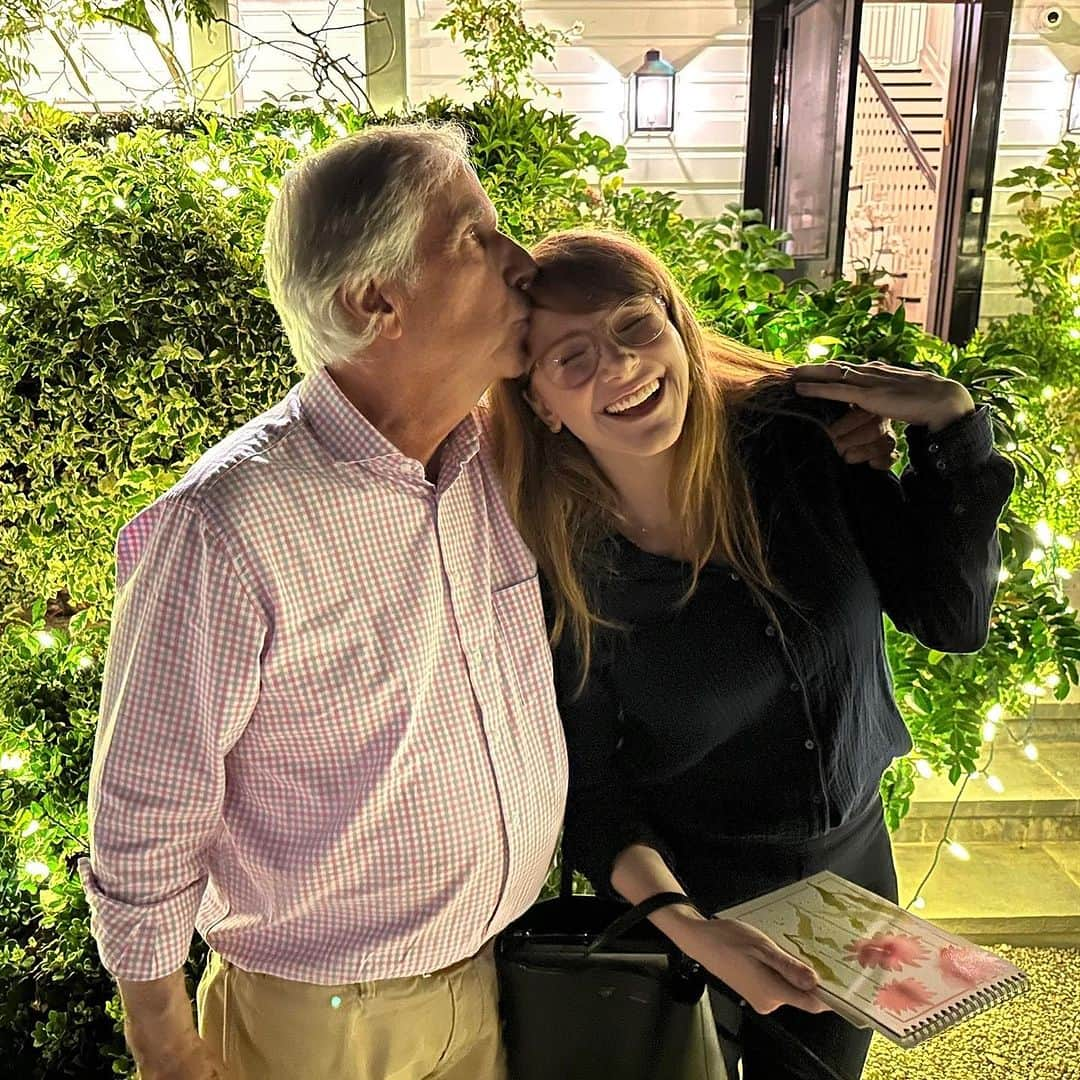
[{"x": 633, "y": 399}]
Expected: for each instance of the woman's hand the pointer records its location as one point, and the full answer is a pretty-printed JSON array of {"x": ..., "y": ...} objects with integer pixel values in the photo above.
[
  {"x": 862, "y": 437},
  {"x": 760, "y": 972},
  {"x": 917, "y": 397}
]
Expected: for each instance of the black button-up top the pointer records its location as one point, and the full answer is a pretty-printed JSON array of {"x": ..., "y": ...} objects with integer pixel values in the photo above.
[{"x": 710, "y": 723}]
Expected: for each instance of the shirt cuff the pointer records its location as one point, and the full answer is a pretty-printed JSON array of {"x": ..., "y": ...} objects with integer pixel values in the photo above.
[
  {"x": 962, "y": 446},
  {"x": 141, "y": 941}
]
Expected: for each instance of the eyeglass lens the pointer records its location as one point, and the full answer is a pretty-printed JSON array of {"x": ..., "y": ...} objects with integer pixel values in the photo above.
[{"x": 636, "y": 322}]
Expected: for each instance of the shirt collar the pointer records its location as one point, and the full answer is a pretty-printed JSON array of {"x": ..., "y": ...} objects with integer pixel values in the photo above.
[{"x": 348, "y": 436}]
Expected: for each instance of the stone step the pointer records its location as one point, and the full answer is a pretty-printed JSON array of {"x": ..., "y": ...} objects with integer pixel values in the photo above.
[
  {"x": 1004, "y": 893},
  {"x": 1053, "y": 720},
  {"x": 1039, "y": 800}
]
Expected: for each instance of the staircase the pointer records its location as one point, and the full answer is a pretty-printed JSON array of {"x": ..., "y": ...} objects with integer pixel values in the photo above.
[
  {"x": 897, "y": 149},
  {"x": 1021, "y": 885}
]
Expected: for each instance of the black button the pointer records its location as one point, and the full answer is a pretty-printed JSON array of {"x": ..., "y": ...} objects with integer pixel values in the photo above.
[
  {"x": 770, "y": 630},
  {"x": 734, "y": 576},
  {"x": 816, "y": 800},
  {"x": 933, "y": 448},
  {"x": 618, "y": 743},
  {"x": 941, "y": 465},
  {"x": 794, "y": 687},
  {"x": 809, "y": 744},
  {"x": 960, "y": 510}
]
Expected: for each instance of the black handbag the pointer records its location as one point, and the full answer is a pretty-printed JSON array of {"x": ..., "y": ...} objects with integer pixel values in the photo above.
[{"x": 590, "y": 990}]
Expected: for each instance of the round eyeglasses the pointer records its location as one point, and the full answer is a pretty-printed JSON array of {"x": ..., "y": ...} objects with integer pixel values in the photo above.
[{"x": 636, "y": 322}]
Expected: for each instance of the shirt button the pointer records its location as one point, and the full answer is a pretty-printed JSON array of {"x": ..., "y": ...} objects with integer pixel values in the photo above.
[
  {"x": 794, "y": 687},
  {"x": 618, "y": 743},
  {"x": 770, "y": 630},
  {"x": 933, "y": 448},
  {"x": 816, "y": 800},
  {"x": 734, "y": 576},
  {"x": 941, "y": 465},
  {"x": 809, "y": 744},
  {"x": 960, "y": 510}
]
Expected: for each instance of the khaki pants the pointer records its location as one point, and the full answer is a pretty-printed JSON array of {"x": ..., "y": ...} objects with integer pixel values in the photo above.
[{"x": 444, "y": 1026}]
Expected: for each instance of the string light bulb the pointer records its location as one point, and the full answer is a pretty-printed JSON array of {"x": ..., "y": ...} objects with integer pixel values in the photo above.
[
  {"x": 1031, "y": 751},
  {"x": 994, "y": 784},
  {"x": 922, "y": 767},
  {"x": 958, "y": 851}
]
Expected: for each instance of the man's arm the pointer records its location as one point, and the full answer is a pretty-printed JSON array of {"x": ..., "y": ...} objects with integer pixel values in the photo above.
[{"x": 182, "y": 677}]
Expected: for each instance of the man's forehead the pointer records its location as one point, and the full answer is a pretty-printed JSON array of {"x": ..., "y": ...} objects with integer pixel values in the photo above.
[{"x": 473, "y": 207}]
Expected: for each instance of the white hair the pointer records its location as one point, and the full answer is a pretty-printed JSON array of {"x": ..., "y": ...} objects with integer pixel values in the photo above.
[{"x": 349, "y": 214}]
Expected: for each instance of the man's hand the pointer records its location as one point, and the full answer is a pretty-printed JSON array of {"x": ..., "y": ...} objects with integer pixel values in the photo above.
[
  {"x": 195, "y": 1060},
  {"x": 860, "y": 436},
  {"x": 160, "y": 1029}
]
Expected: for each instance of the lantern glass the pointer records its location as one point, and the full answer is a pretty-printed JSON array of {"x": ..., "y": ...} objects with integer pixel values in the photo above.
[{"x": 653, "y": 111}]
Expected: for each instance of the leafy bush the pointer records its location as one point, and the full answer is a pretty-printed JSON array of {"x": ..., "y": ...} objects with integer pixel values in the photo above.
[{"x": 135, "y": 332}]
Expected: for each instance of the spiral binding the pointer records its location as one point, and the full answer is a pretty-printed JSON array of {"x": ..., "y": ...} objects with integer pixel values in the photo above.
[{"x": 972, "y": 1005}]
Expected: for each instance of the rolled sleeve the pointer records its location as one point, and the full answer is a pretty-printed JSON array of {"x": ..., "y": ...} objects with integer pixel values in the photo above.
[{"x": 181, "y": 681}]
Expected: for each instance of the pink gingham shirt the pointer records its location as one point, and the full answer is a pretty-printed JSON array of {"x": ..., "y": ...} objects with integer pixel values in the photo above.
[{"x": 328, "y": 736}]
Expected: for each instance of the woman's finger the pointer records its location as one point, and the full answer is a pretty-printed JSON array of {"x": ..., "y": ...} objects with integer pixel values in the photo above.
[
  {"x": 852, "y": 420},
  {"x": 859, "y": 455},
  {"x": 868, "y": 435},
  {"x": 834, "y": 371},
  {"x": 836, "y": 391},
  {"x": 885, "y": 462}
]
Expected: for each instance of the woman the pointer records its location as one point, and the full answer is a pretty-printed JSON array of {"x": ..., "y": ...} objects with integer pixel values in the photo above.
[{"x": 715, "y": 575}]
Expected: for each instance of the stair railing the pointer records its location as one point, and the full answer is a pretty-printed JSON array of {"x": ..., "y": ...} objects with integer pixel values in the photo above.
[{"x": 921, "y": 160}]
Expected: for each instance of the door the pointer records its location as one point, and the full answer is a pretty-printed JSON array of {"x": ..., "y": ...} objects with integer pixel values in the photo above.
[
  {"x": 981, "y": 42},
  {"x": 802, "y": 97}
]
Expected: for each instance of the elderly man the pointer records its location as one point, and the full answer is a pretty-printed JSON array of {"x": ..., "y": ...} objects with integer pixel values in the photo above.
[{"x": 328, "y": 737}]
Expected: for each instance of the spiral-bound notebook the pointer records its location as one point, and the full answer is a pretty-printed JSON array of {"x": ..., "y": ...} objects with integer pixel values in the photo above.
[{"x": 879, "y": 965}]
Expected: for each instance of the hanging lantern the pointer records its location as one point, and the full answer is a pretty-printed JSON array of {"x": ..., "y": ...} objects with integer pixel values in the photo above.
[{"x": 654, "y": 95}]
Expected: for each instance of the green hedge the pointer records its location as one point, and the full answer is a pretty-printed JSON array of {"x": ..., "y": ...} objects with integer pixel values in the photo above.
[{"x": 135, "y": 332}]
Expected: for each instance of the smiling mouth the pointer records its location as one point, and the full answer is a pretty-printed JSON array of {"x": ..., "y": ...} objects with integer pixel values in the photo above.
[{"x": 643, "y": 401}]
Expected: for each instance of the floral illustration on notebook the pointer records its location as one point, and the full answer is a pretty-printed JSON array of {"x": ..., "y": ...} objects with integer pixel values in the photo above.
[{"x": 879, "y": 964}]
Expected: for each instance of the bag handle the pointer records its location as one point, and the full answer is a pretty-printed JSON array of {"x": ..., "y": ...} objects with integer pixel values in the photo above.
[{"x": 635, "y": 915}]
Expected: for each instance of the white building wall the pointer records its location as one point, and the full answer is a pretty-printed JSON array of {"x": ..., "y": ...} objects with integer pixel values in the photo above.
[
  {"x": 707, "y": 42},
  {"x": 1038, "y": 81}
]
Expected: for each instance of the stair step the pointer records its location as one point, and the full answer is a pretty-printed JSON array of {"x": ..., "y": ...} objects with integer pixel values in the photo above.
[
  {"x": 1039, "y": 801},
  {"x": 1005, "y": 893}
]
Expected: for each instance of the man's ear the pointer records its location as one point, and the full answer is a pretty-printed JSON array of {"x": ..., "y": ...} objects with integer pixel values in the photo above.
[
  {"x": 370, "y": 303},
  {"x": 540, "y": 407}
]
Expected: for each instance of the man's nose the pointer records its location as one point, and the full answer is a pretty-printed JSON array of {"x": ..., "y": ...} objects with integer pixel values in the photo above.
[{"x": 520, "y": 270}]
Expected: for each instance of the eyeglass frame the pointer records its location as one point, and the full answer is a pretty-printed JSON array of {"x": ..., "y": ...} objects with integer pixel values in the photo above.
[{"x": 652, "y": 295}]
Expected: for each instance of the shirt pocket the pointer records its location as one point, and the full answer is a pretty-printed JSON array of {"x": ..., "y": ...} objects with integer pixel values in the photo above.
[{"x": 522, "y": 639}]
